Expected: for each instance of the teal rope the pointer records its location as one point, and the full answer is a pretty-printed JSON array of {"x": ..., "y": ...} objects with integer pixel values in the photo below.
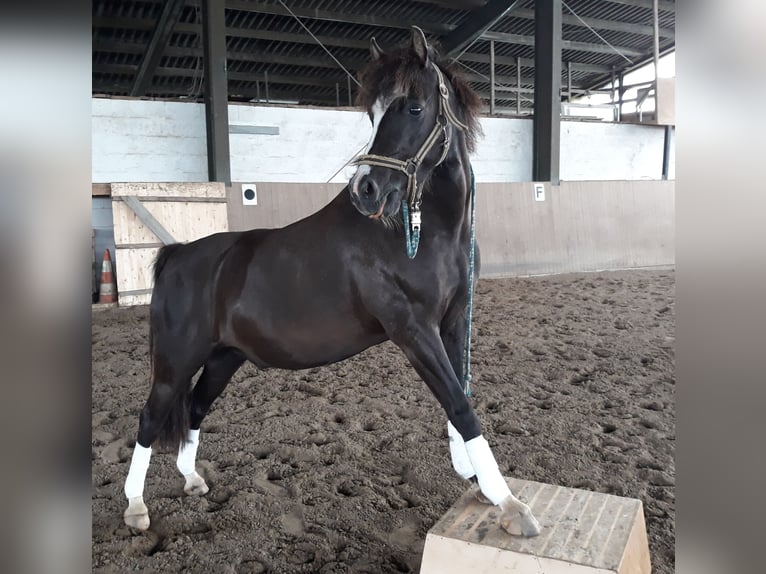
[
  {"x": 469, "y": 310},
  {"x": 414, "y": 241}
]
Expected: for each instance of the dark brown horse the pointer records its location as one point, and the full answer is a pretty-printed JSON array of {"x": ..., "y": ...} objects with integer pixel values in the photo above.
[{"x": 335, "y": 283}]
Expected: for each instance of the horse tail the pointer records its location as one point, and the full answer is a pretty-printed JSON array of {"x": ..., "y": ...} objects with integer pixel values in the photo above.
[
  {"x": 176, "y": 427},
  {"x": 165, "y": 253}
]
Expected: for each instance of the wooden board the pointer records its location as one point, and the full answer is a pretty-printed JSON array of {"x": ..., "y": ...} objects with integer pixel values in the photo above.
[
  {"x": 101, "y": 190},
  {"x": 187, "y": 211},
  {"x": 583, "y": 532},
  {"x": 183, "y": 220},
  {"x": 205, "y": 189}
]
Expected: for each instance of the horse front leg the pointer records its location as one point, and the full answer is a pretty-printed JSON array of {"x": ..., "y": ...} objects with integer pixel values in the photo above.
[
  {"x": 427, "y": 353},
  {"x": 452, "y": 334}
]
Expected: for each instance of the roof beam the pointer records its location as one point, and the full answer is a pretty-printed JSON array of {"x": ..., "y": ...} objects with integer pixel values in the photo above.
[
  {"x": 646, "y": 59},
  {"x": 252, "y": 93},
  {"x": 565, "y": 44},
  {"x": 315, "y": 14},
  {"x": 599, "y": 24},
  {"x": 254, "y": 33},
  {"x": 475, "y": 25},
  {"x": 116, "y": 46},
  {"x": 663, "y": 4},
  {"x": 456, "y": 4},
  {"x": 323, "y": 81},
  {"x": 315, "y": 61},
  {"x": 169, "y": 16},
  {"x": 529, "y": 63},
  {"x": 342, "y": 43},
  {"x": 364, "y": 45},
  {"x": 503, "y": 83}
]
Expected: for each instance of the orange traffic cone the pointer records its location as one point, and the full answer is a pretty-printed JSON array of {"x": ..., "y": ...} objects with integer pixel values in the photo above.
[{"x": 108, "y": 290}]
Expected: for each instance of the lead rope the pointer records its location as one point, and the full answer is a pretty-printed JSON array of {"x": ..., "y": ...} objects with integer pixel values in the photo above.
[
  {"x": 411, "y": 240},
  {"x": 469, "y": 310}
]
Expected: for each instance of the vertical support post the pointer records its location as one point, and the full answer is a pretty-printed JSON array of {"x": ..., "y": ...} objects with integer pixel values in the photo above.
[
  {"x": 492, "y": 77},
  {"x": 337, "y": 95},
  {"x": 611, "y": 95},
  {"x": 348, "y": 85},
  {"x": 216, "y": 91},
  {"x": 258, "y": 90},
  {"x": 569, "y": 81},
  {"x": 266, "y": 83},
  {"x": 620, "y": 95},
  {"x": 518, "y": 85},
  {"x": 656, "y": 22},
  {"x": 666, "y": 152},
  {"x": 547, "y": 118}
]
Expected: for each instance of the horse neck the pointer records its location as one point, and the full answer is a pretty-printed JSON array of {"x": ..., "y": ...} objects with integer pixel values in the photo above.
[{"x": 450, "y": 186}]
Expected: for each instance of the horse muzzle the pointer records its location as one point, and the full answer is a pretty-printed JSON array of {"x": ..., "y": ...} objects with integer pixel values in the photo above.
[{"x": 372, "y": 201}]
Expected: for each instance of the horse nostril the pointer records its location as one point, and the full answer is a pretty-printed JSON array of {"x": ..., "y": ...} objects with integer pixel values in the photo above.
[{"x": 368, "y": 187}]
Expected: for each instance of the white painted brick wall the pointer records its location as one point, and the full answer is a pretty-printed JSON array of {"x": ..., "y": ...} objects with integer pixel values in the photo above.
[
  {"x": 312, "y": 143},
  {"x": 144, "y": 141},
  {"x": 134, "y": 140},
  {"x": 505, "y": 152},
  {"x": 606, "y": 151}
]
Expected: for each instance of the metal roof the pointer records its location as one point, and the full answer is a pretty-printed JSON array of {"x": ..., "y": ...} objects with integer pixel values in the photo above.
[{"x": 269, "y": 51}]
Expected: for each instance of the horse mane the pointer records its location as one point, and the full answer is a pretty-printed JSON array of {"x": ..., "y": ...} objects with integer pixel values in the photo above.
[{"x": 401, "y": 70}]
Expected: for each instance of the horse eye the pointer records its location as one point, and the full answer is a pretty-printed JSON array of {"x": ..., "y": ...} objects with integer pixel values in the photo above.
[{"x": 415, "y": 110}]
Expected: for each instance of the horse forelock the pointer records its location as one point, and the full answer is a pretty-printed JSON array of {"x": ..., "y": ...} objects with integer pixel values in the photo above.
[{"x": 401, "y": 72}]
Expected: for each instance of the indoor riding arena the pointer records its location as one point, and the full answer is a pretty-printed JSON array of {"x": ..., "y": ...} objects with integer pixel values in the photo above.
[{"x": 552, "y": 123}]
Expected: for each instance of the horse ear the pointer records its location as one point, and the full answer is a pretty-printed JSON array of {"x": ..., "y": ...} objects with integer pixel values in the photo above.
[
  {"x": 420, "y": 44},
  {"x": 375, "y": 50}
]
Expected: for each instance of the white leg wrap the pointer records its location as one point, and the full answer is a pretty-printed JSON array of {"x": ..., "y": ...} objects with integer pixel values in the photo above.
[
  {"x": 139, "y": 464},
  {"x": 187, "y": 453},
  {"x": 460, "y": 461},
  {"x": 491, "y": 482}
]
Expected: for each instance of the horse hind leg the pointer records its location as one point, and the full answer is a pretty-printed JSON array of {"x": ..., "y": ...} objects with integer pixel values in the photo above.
[
  {"x": 219, "y": 369},
  {"x": 154, "y": 417},
  {"x": 164, "y": 419}
]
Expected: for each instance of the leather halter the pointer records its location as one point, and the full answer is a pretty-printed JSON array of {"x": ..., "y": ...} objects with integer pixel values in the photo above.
[{"x": 410, "y": 167}]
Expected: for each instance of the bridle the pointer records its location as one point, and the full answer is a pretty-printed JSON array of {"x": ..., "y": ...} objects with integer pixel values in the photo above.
[{"x": 410, "y": 167}]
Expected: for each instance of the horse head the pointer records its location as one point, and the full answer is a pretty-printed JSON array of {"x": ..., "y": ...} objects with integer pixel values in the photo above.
[{"x": 415, "y": 113}]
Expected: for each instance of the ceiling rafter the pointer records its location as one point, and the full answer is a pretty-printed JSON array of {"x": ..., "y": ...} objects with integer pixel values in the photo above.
[
  {"x": 348, "y": 17},
  {"x": 600, "y": 24},
  {"x": 475, "y": 25},
  {"x": 168, "y": 18},
  {"x": 135, "y": 42}
]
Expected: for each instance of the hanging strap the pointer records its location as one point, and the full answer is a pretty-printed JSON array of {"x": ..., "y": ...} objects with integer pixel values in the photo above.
[{"x": 469, "y": 309}]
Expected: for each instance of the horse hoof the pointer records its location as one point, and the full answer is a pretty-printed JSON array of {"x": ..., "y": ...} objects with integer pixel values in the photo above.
[
  {"x": 478, "y": 495},
  {"x": 519, "y": 524},
  {"x": 137, "y": 515},
  {"x": 195, "y": 485}
]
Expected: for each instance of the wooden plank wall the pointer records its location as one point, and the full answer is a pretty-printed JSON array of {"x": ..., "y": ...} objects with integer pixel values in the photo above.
[
  {"x": 187, "y": 211},
  {"x": 581, "y": 226}
]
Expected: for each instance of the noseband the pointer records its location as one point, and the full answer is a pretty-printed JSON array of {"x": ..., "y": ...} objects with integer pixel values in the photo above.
[{"x": 410, "y": 167}]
